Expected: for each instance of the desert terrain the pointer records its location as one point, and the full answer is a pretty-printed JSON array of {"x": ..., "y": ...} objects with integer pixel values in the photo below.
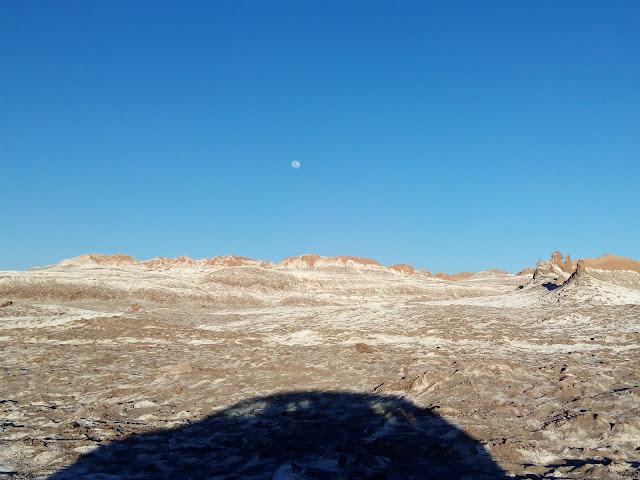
[{"x": 320, "y": 368}]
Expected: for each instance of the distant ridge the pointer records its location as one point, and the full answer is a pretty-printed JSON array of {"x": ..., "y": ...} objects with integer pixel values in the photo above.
[
  {"x": 100, "y": 259},
  {"x": 612, "y": 262},
  {"x": 301, "y": 262},
  {"x": 557, "y": 270}
]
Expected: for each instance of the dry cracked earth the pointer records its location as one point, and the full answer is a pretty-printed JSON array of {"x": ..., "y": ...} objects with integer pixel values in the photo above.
[{"x": 244, "y": 372}]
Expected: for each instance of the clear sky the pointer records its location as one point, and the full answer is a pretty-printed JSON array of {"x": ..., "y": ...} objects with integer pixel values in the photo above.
[{"x": 449, "y": 135}]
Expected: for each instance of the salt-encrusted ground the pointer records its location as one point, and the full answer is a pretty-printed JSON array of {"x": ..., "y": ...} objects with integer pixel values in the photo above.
[{"x": 272, "y": 372}]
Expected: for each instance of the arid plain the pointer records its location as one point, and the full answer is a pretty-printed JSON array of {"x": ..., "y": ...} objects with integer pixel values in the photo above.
[{"x": 319, "y": 367}]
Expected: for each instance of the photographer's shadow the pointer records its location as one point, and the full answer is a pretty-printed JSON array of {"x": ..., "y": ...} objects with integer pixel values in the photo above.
[{"x": 302, "y": 435}]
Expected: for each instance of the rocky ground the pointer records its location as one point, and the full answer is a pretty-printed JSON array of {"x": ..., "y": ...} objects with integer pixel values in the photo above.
[{"x": 345, "y": 369}]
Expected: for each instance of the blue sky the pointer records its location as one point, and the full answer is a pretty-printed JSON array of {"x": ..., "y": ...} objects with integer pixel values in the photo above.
[{"x": 450, "y": 135}]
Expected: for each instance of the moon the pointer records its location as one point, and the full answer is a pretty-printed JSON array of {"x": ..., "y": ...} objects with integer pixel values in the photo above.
[{"x": 295, "y": 164}]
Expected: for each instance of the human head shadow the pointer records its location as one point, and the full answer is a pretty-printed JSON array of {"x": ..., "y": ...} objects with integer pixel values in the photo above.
[{"x": 301, "y": 435}]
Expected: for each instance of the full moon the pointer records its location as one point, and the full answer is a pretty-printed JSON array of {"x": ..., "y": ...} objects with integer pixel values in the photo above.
[{"x": 295, "y": 164}]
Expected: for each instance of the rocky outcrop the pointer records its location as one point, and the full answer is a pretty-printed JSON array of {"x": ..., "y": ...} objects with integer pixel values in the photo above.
[
  {"x": 554, "y": 272},
  {"x": 559, "y": 271}
]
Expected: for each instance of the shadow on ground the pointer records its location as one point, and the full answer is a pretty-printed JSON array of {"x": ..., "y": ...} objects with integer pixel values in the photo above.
[{"x": 303, "y": 435}]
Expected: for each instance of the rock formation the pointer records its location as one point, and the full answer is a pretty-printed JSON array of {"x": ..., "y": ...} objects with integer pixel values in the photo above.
[{"x": 557, "y": 271}]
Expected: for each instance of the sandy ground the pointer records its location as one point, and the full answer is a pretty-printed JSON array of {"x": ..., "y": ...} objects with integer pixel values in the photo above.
[{"x": 244, "y": 372}]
